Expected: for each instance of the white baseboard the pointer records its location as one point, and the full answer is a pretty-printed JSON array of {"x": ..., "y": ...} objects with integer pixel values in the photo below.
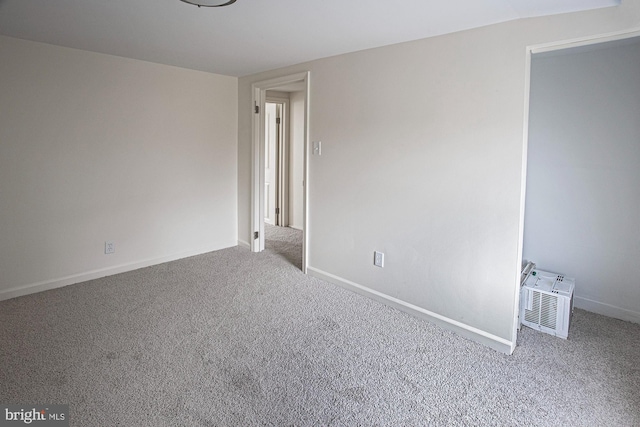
[
  {"x": 96, "y": 274},
  {"x": 500, "y": 344},
  {"x": 295, "y": 227},
  {"x": 606, "y": 309},
  {"x": 244, "y": 244}
]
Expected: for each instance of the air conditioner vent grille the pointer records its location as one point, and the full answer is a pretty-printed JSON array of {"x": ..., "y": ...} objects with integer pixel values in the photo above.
[
  {"x": 548, "y": 311},
  {"x": 546, "y": 302},
  {"x": 533, "y": 315}
]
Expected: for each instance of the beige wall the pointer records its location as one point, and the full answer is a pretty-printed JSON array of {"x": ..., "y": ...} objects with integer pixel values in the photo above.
[
  {"x": 96, "y": 147},
  {"x": 422, "y": 159}
]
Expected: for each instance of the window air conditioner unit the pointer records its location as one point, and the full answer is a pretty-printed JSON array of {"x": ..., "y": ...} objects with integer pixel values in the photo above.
[{"x": 546, "y": 301}]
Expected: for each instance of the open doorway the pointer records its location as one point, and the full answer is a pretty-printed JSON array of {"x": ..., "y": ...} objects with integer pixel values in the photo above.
[
  {"x": 276, "y": 166},
  {"x": 580, "y": 163},
  {"x": 279, "y": 166},
  {"x": 284, "y": 147}
]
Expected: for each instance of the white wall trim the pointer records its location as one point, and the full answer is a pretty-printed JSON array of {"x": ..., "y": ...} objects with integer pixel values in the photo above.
[
  {"x": 584, "y": 41},
  {"x": 46, "y": 285},
  {"x": 244, "y": 244},
  {"x": 607, "y": 309},
  {"x": 523, "y": 193},
  {"x": 482, "y": 337}
]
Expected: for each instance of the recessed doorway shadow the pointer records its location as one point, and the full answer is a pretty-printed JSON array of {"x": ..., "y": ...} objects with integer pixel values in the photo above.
[{"x": 286, "y": 242}]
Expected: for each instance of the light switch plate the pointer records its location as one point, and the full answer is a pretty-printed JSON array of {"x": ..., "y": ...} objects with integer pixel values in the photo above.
[{"x": 378, "y": 259}]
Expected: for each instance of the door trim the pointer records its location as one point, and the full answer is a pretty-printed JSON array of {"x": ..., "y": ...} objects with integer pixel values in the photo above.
[{"x": 259, "y": 96}]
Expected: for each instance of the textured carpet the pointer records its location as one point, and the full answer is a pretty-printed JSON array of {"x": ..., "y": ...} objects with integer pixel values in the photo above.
[
  {"x": 232, "y": 338},
  {"x": 284, "y": 242}
]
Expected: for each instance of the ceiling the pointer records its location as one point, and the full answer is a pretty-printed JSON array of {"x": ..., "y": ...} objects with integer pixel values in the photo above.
[{"x": 255, "y": 35}]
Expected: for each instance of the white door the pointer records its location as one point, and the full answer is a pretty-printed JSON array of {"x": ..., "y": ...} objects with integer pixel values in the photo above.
[{"x": 270, "y": 164}]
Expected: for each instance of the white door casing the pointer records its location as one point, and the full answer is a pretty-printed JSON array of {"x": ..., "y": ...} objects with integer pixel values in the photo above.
[{"x": 258, "y": 161}]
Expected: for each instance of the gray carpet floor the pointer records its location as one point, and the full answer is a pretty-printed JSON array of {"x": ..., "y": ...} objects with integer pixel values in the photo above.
[{"x": 232, "y": 338}]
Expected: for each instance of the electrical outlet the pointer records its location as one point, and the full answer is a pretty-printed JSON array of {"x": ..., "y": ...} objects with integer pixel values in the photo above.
[
  {"x": 109, "y": 248},
  {"x": 378, "y": 259}
]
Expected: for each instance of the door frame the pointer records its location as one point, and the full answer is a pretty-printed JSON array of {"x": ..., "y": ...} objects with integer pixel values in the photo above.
[
  {"x": 282, "y": 161},
  {"x": 259, "y": 95},
  {"x": 530, "y": 51}
]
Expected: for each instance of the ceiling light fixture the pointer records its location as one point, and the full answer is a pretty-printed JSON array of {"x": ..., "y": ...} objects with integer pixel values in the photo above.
[{"x": 210, "y": 3}]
